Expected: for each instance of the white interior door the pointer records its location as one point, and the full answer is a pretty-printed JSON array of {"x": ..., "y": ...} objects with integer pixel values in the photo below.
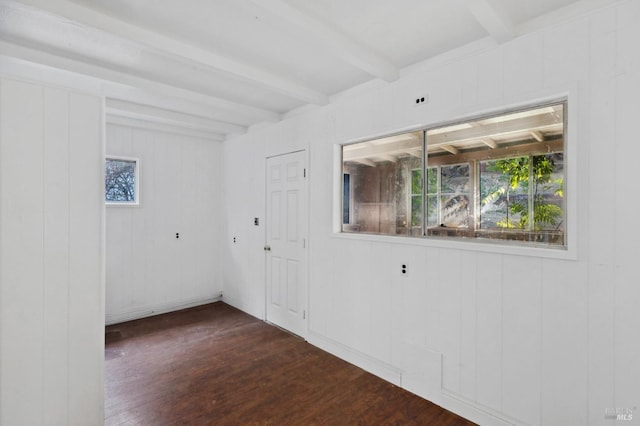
[{"x": 286, "y": 243}]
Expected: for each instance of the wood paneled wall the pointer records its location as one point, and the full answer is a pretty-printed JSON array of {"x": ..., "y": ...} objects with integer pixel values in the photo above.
[
  {"x": 148, "y": 269},
  {"x": 51, "y": 256},
  {"x": 500, "y": 335}
]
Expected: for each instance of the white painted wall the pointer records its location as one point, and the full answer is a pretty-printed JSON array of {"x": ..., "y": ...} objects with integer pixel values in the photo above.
[
  {"x": 497, "y": 336},
  {"x": 51, "y": 256},
  {"x": 148, "y": 270}
]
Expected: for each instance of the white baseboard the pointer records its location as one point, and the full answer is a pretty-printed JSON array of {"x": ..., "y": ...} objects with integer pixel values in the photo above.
[
  {"x": 374, "y": 366},
  {"x": 238, "y": 304},
  {"x": 425, "y": 382},
  {"x": 476, "y": 412},
  {"x": 151, "y": 310}
]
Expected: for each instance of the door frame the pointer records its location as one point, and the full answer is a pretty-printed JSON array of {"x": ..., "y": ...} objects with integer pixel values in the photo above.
[{"x": 305, "y": 254}]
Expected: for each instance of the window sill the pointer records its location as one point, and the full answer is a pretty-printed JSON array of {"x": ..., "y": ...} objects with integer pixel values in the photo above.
[
  {"x": 542, "y": 239},
  {"x": 482, "y": 245},
  {"x": 111, "y": 204}
]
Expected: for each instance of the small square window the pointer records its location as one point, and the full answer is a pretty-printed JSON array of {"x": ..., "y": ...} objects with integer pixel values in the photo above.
[{"x": 121, "y": 181}]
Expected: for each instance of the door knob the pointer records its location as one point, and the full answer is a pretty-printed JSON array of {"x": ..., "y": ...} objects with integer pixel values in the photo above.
[{"x": 267, "y": 248}]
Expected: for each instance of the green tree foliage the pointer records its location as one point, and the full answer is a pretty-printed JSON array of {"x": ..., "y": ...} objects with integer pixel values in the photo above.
[
  {"x": 516, "y": 172},
  {"x": 416, "y": 197}
]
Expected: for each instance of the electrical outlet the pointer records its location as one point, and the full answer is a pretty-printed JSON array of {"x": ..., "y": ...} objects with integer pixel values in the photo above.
[
  {"x": 404, "y": 270},
  {"x": 421, "y": 100}
]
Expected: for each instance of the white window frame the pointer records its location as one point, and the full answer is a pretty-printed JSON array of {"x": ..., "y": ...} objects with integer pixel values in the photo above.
[
  {"x": 136, "y": 201},
  {"x": 412, "y": 195},
  {"x": 567, "y": 93},
  {"x": 350, "y": 206}
]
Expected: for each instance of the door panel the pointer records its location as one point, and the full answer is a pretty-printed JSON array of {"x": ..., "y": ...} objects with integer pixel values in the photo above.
[
  {"x": 292, "y": 216},
  {"x": 275, "y": 218},
  {"x": 292, "y": 286},
  {"x": 286, "y": 275},
  {"x": 275, "y": 278}
]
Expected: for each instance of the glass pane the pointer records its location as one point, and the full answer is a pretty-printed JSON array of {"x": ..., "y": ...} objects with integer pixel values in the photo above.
[
  {"x": 454, "y": 190},
  {"x": 504, "y": 192},
  {"x": 385, "y": 185},
  {"x": 432, "y": 211},
  {"x": 548, "y": 193},
  {"x": 120, "y": 180},
  {"x": 455, "y": 179},
  {"x": 416, "y": 182},
  {"x": 455, "y": 210},
  {"x": 416, "y": 210},
  {"x": 346, "y": 191},
  {"x": 432, "y": 180},
  {"x": 499, "y": 176},
  {"x": 493, "y": 187},
  {"x": 416, "y": 197}
]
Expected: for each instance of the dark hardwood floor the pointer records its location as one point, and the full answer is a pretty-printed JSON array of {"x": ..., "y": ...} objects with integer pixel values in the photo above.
[{"x": 215, "y": 365}]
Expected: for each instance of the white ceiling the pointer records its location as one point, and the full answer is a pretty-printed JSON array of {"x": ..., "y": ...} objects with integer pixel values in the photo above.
[{"x": 213, "y": 68}]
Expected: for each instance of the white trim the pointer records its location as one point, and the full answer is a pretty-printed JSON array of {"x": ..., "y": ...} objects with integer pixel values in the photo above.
[
  {"x": 569, "y": 252},
  {"x": 374, "y": 366},
  {"x": 163, "y": 308},
  {"x": 475, "y": 412},
  {"x": 241, "y": 305},
  {"x": 305, "y": 231},
  {"x": 163, "y": 127}
]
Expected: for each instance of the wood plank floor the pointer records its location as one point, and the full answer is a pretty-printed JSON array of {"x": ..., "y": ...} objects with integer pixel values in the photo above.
[{"x": 215, "y": 365}]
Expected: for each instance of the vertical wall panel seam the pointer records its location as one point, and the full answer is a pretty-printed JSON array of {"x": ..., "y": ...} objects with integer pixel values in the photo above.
[
  {"x": 475, "y": 337},
  {"x": 102, "y": 245},
  {"x": 588, "y": 256},
  {"x": 44, "y": 254},
  {"x": 541, "y": 347},
  {"x": 502, "y": 333},
  {"x": 68, "y": 326},
  {"x": 1, "y": 254},
  {"x": 614, "y": 167},
  {"x": 460, "y": 327}
]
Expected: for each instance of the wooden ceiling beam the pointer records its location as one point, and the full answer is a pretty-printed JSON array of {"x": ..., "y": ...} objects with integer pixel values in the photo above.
[
  {"x": 332, "y": 40},
  {"x": 163, "y": 121},
  {"x": 388, "y": 157},
  {"x": 122, "y": 79},
  {"x": 373, "y": 150},
  {"x": 366, "y": 162},
  {"x": 163, "y": 127},
  {"x": 537, "y": 135},
  {"x": 178, "y": 50},
  {"x": 496, "y": 23},
  {"x": 490, "y": 143},
  {"x": 490, "y": 130},
  {"x": 450, "y": 149},
  {"x": 132, "y": 95},
  {"x": 136, "y": 110},
  {"x": 505, "y": 152},
  {"x": 416, "y": 153}
]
